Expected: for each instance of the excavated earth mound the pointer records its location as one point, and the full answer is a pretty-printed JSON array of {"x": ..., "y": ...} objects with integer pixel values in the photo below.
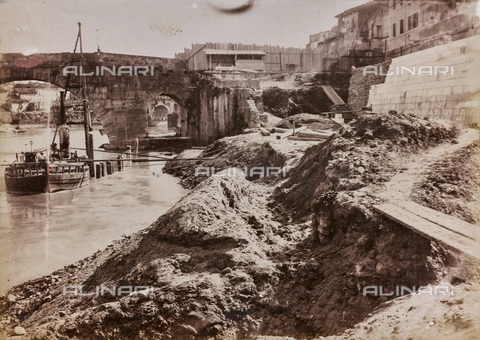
[
  {"x": 313, "y": 122},
  {"x": 238, "y": 151},
  {"x": 232, "y": 261},
  {"x": 369, "y": 150},
  {"x": 217, "y": 264}
]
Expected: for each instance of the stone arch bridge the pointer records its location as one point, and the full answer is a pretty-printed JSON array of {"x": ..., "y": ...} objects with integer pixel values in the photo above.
[{"x": 122, "y": 90}]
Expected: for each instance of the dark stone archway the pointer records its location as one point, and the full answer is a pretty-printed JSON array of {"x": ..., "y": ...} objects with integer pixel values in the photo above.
[
  {"x": 119, "y": 100},
  {"x": 121, "y": 89}
]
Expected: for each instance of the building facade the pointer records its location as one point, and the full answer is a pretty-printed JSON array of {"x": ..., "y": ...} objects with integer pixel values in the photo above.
[
  {"x": 360, "y": 37},
  {"x": 320, "y": 38},
  {"x": 235, "y": 60},
  {"x": 419, "y": 24}
]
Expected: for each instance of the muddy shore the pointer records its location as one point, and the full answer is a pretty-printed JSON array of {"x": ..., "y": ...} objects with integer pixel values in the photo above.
[{"x": 246, "y": 257}]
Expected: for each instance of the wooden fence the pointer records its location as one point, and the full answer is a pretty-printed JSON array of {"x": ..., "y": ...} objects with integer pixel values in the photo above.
[{"x": 277, "y": 58}]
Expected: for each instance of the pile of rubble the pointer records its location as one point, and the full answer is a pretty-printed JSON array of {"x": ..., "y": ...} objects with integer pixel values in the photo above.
[{"x": 219, "y": 265}]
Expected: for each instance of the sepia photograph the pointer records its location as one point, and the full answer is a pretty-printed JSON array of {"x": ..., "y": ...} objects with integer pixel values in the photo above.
[{"x": 239, "y": 169}]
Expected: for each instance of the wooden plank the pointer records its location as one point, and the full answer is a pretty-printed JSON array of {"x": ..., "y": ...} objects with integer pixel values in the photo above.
[
  {"x": 278, "y": 130},
  {"x": 431, "y": 231},
  {"x": 334, "y": 97},
  {"x": 314, "y": 134},
  {"x": 447, "y": 221},
  {"x": 312, "y": 139},
  {"x": 264, "y": 132},
  {"x": 290, "y": 132}
]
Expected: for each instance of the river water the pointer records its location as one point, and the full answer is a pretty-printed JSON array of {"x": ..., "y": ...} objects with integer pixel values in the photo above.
[{"x": 44, "y": 232}]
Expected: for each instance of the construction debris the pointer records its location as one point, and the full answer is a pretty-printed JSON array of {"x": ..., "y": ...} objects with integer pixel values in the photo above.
[
  {"x": 264, "y": 132},
  {"x": 291, "y": 132}
]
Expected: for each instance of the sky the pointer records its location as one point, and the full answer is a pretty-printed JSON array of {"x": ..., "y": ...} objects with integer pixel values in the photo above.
[{"x": 160, "y": 27}]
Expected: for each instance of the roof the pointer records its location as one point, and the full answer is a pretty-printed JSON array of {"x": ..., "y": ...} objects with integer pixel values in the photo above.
[
  {"x": 365, "y": 7},
  {"x": 16, "y": 100},
  {"x": 25, "y": 90},
  {"x": 233, "y": 52}
]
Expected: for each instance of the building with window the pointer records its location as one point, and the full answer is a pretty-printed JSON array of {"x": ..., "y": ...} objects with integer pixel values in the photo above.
[
  {"x": 363, "y": 27},
  {"x": 360, "y": 37},
  {"x": 419, "y": 24},
  {"x": 235, "y": 60},
  {"x": 318, "y": 39}
]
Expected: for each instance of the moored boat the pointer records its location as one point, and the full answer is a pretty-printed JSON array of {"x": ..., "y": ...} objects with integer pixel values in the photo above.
[
  {"x": 32, "y": 175},
  {"x": 60, "y": 170}
]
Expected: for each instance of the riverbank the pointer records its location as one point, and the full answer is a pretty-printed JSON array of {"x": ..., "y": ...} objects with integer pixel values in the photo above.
[
  {"x": 42, "y": 233},
  {"x": 241, "y": 258}
]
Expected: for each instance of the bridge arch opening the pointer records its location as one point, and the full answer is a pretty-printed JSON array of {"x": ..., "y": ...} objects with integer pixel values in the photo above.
[
  {"x": 164, "y": 114},
  {"x": 29, "y": 101}
]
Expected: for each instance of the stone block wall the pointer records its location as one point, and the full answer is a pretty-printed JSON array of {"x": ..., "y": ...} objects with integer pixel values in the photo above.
[
  {"x": 215, "y": 112},
  {"x": 360, "y": 85},
  {"x": 455, "y": 97}
]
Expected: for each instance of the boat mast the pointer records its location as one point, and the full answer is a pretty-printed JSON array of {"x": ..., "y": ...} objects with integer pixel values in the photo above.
[
  {"x": 63, "y": 131},
  {"x": 86, "y": 115}
]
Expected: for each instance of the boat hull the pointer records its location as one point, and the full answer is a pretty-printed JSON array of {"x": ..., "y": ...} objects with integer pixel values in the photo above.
[
  {"x": 27, "y": 185},
  {"x": 58, "y": 182},
  {"x": 32, "y": 180}
]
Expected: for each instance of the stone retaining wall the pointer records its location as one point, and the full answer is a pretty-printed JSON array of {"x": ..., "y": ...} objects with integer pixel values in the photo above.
[{"x": 454, "y": 97}]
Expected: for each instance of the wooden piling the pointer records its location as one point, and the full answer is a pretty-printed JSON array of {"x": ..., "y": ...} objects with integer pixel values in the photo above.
[
  {"x": 91, "y": 168},
  {"x": 119, "y": 163},
  {"x": 109, "y": 168},
  {"x": 89, "y": 146},
  {"x": 98, "y": 171}
]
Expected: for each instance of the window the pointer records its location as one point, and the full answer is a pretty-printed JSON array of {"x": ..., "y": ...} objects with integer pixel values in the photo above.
[
  {"x": 409, "y": 23},
  {"x": 401, "y": 2},
  {"x": 394, "y": 30},
  {"x": 415, "y": 20},
  {"x": 379, "y": 31},
  {"x": 394, "y": 4},
  {"x": 402, "y": 28}
]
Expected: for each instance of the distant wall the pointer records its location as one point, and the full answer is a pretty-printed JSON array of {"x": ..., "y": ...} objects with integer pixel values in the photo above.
[
  {"x": 454, "y": 97},
  {"x": 360, "y": 85}
]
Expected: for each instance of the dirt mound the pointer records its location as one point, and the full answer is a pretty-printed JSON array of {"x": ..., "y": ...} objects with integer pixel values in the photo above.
[
  {"x": 206, "y": 260},
  {"x": 402, "y": 128},
  {"x": 276, "y": 101},
  {"x": 366, "y": 151},
  {"x": 217, "y": 265},
  {"x": 238, "y": 151},
  {"x": 220, "y": 265},
  {"x": 314, "y": 122},
  {"x": 453, "y": 185}
]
